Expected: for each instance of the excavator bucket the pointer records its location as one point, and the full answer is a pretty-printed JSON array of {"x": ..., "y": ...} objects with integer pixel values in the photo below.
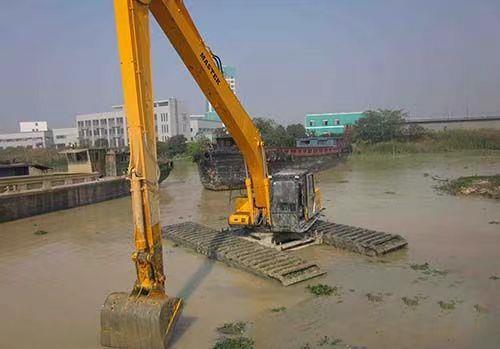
[{"x": 138, "y": 322}]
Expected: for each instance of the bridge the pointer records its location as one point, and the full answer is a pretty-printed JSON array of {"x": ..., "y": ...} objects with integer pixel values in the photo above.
[{"x": 454, "y": 122}]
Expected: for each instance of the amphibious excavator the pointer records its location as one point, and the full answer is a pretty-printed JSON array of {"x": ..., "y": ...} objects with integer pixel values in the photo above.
[{"x": 284, "y": 206}]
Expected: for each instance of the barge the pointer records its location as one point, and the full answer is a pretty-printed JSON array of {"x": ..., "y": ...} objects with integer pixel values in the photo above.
[
  {"x": 93, "y": 175},
  {"x": 221, "y": 165}
]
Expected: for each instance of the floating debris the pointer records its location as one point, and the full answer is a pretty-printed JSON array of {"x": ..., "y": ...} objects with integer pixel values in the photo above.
[
  {"x": 480, "y": 308},
  {"x": 494, "y": 222},
  {"x": 447, "y": 305},
  {"x": 375, "y": 298},
  {"x": 424, "y": 266},
  {"x": 278, "y": 310},
  {"x": 40, "y": 232},
  {"x": 411, "y": 302},
  {"x": 428, "y": 270},
  {"x": 494, "y": 277},
  {"x": 342, "y": 181},
  {"x": 390, "y": 192},
  {"x": 323, "y": 290},
  {"x": 234, "y": 343},
  {"x": 232, "y": 328},
  {"x": 426, "y": 174},
  {"x": 329, "y": 341}
]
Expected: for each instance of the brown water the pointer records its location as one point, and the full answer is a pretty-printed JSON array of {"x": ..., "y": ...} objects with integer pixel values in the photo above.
[{"x": 52, "y": 286}]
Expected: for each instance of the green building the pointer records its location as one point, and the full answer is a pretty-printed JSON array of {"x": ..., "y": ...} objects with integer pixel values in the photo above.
[
  {"x": 330, "y": 123},
  {"x": 230, "y": 76}
]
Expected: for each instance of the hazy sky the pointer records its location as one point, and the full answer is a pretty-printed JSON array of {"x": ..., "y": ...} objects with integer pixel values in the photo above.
[{"x": 59, "y": 58}]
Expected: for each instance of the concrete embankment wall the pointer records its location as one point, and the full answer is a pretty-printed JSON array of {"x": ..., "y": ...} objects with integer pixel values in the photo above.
[{"x": 25, "y": 204}]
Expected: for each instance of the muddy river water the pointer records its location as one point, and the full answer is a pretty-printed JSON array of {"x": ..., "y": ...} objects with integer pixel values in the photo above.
[{"x": 52, "y": 285}]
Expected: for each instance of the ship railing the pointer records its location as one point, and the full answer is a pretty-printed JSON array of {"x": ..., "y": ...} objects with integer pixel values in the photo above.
[{"x": 15, "y": 184}]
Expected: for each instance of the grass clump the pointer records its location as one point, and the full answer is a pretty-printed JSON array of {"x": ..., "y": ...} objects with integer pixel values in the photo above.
[
  {"x": 41, "y": 232},
  {"x": 234, "y": 343},
  {"x": 487, "y": 186},
  {"x": 447, "y": 305},
  {"x": 278, "y": 309},
  {"x": 232, "y": 328},
  {"x": 323, "y": 290},
  {"x": 329, "y": 341}
]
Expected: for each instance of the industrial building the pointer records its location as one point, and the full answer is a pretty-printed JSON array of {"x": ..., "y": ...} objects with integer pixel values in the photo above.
[
  {"x": 109, "y": 129},
  {"x": 202, "y": 127},
  {"x": 330, "y": 123},
  {"x": 37, "y": 139}
]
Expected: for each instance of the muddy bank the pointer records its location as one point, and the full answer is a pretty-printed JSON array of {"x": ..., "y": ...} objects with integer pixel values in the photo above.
[{"x": 485, "y": 186}]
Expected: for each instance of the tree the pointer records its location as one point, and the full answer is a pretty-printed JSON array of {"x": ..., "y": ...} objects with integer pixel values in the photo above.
[
  {"x": 296, "y": 130},
  {"x": 173, "y": 146},
  {"x": 380, "y": 125}
]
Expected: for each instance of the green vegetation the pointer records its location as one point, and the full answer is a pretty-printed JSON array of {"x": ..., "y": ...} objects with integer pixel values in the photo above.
[
  {"x": 276, "y": 135},
  {"x": 487, "y": 186},
  {"x": 329, "y": 341},
  {"x": 40, "y": 232},
  {"x": 447, "y": 305},
  {"x": 323, "y": 290},
  {"x": 232, "y": 328},
  {"x": 384, "y": 131},
  {"x": 278, "y": 310},
  {"x": 234, "y": 343},
  {"x": 174, "y": 146}
]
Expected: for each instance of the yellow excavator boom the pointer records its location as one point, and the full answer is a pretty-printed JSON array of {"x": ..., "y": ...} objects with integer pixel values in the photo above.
[{"x": 176, "y": 23}]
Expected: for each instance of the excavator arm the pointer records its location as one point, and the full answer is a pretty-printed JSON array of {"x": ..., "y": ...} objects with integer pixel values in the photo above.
[
  {"x": 176, "y": 23},
  {"x": 144, "y": 318}
]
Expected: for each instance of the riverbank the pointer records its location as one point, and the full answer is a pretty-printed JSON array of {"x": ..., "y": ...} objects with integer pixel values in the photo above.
[
  {"x": 486, "y": 186},
  {"x": 436, "y": 142}
]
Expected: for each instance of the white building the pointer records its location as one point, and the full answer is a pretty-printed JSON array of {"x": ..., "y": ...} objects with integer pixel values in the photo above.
[
  {"x": 109, "y": 129},
  {"x": 202, "y": 127},
  {"x": 37, "y": 139},
  {"x": 33, "y": 126},
  {"x": 65, "y": 137}
]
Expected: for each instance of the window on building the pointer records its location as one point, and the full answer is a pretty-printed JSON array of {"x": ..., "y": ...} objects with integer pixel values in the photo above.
[
  {"x": 87, "y": 123},
  {"x": 337, "y": 121},
  {"x": 325, "y": 122},
  {"x": 95, "y": 122},
  {"x": 311, "y": 123},
  {"x": 103, "y": 122}
]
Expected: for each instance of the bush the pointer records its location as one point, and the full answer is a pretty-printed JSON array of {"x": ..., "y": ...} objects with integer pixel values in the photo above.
[
  {"x": 276, "y": 135},
  {"x": 173, "y": 146},
  {"x": 380, "y": 125}
]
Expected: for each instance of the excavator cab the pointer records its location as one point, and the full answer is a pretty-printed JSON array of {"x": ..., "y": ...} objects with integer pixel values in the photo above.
[{"x": 295, "y": 202}]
